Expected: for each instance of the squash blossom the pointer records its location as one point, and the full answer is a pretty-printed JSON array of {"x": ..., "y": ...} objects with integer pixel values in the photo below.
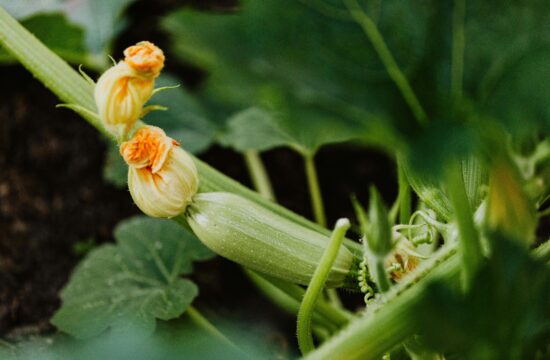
[
  {"x": 162, "y": 177},
  {"x": 122, "y": 91},
  {"x": 402, "y": 260}
]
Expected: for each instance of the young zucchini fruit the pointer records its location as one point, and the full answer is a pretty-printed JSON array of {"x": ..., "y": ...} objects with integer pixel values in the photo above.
[{"x": 250, "y": 235}]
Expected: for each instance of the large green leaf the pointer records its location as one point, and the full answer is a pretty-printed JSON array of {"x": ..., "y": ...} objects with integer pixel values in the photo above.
[
  {"x": 102, "y": 20},
  {"x": 254, "y": 129},
  {"x": 505, "y": 315},
  {"x": 64, "y": 38},
  {"x": 314, "y": 67},
  {"x": 132, "y": 283},
  {"x": 176, "y": 339},
  {"x": 21, "y": 9},
  {"x": 319, "y": 75},
  {"x": 260, "y": 129},
  {"x": 185, "y": 119},
  {"x": 79, "y": 30}
]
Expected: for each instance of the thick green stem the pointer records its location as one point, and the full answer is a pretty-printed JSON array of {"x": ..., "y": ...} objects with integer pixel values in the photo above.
[
  {"x": 258, "y": 174},
  {"x": 389, "y": 325},
  {"x": 201, "y": 321},
  {"x": 315, "y": 191},
  {"x": 385, "y": 55},
  {"x": 469, "y": 244},
  {"x": 457, "y": 64},
  {"x": 404, "y": 195},
  {"x": 386, "y": 326},
  {"x": 305, "y": 340}
]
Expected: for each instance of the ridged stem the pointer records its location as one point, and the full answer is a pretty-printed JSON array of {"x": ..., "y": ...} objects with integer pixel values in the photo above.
[{"x": 386, "y": 326}]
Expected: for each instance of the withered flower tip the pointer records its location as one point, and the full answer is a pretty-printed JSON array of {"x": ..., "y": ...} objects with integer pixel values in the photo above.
[{"x": 145, "y": 58}]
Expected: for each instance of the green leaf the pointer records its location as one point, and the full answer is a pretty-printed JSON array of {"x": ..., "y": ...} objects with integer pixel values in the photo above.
[
  {"x": 505, "y": 315},
  {"x": 180, "y": 338},
  {"x": 261, "y": 129},
  {"x": 254, "y": 129},
  {"x": 64, "y": 38},
  {"x": 21, "y": 9},
  {"x": 185, "y": 119},
  {"x": 86, "y": 32},
  {"x": 102, "y": 20},
  {"x": 506, "y": 54},
  {"x": 312, "y": 71},
  {"x": 132, "y": 283}
]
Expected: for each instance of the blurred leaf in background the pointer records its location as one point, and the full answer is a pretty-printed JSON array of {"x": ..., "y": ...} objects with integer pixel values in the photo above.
[
  {"x": 504, "y": 316},
  {"x": 176, "y": 339},
  {"x": 506, "y": 57},
  {"x": 81, "y": 31},
  {"x": 130, "y": 284},
  {"x": 318, "y": 75},
  {"x": 315, "y": 70}
]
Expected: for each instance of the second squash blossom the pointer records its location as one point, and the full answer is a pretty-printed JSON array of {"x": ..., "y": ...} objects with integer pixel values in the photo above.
[
  {"x": 162, "y": 177},
  {"x": 122, "y": 91}
]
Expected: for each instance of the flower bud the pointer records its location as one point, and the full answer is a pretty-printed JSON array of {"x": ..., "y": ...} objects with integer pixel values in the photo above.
[
  {"x": 145, "y": 58},
  {"x": 120, "y": 96},
  {"x": 162, "y": 177},
  {"x": 402, "y": 260},
  {"x": 122, "y": 91}
]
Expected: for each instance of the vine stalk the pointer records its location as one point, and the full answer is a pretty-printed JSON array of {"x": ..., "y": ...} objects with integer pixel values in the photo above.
[
  {"x": 303, "y": 331},
  {"x": 203, "y": 322},
  {"x": 315, "y": 191},
  {"x": 258, "y": 174}
]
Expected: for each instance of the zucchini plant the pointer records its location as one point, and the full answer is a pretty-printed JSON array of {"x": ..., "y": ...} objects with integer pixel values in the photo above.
[{"x": 454, "y": 268}]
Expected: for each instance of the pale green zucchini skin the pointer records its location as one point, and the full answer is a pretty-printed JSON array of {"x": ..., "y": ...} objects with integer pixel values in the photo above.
[{"x": 247, "y": 234}]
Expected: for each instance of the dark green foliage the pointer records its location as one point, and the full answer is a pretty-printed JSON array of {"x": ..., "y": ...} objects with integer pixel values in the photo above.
[
  {"x": 505, "y": 315},
  {"x": 130, "y": 284}
]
